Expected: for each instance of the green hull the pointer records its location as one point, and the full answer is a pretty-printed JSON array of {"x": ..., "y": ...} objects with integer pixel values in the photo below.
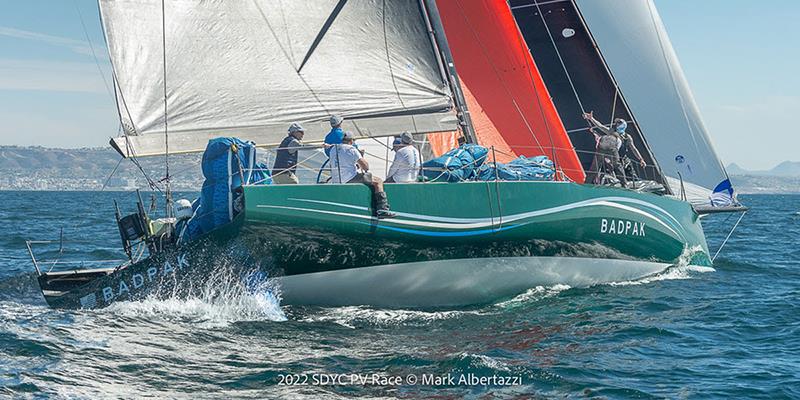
[
  {"x": 315, "y": 228},
  {"x": 451, "y": 244}
]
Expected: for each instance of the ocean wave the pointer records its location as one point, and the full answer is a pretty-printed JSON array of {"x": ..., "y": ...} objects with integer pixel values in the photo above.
[
  {"x": 533, "y": 295},
  {"x": 218, "y": 303},
  {"x": 681, "y": 270},
  {"x": 363, "y": 316}
]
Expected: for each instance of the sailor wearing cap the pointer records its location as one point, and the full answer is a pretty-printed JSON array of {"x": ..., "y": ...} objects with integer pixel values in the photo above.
[
  {"x": 283, "y": 171},
  {"x": 335, "y": 135},
  {"x": 406, "y": 164},
  {"x": 345, "y": 163}
]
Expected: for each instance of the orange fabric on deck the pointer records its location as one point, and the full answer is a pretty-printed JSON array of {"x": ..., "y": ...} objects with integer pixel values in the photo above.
[
  {"x": 442, "y": 142},
  {"x": 493, "y": 61}
]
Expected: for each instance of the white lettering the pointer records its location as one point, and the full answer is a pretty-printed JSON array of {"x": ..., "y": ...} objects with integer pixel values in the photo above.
[
  {"x": 167, "y": 268},
  {"x": 182, "y": 262},
  {"x": 151, "y": 273},
  {"x": 123, "y": 287},
  {"x": 621, "y": 227},
  {"x": 108, "y": 294},
  {"x": 138, "y": 281}
]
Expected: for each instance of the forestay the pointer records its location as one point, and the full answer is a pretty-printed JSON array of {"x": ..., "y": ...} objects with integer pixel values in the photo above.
[
  {"x": 249, "y": 68},
  {"x": 634, "y": 43}
]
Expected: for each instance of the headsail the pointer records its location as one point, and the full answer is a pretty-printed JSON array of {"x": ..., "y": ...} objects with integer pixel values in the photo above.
[
  {"x": 249, "y": 68},
  {"x": 634, "y": 42},
  {"x": 576, "y": 76},
  {"x": 496, "y": 69}
]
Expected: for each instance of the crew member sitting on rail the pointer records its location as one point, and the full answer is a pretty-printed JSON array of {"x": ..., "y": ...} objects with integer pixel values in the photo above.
[
  {"x": 345, "y": 161},
  {"x": 283, "y": 171},
  {"x": 405, "y": 167}
]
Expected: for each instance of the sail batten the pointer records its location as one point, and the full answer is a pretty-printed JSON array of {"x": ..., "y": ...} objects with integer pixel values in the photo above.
[{"x": 253, "y": 67}]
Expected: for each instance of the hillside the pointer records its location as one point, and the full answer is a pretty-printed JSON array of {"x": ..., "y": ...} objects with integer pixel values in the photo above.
[
  {"x": 40, "y": 168},
  {"x": 784, "y": 169}
]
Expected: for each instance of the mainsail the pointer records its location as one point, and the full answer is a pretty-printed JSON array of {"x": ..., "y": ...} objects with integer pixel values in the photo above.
[
  {"x": 249, "y": 68},
  {"x": 576, "y": 76},
  {"x": 634, "y": 42},
  {"x": 498, "y": 74}
]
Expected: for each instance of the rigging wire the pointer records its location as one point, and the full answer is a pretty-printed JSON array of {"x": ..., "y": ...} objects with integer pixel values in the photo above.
[
  {"x": 121, "y": 98},
  {"x": 91, "y": 47},
  {"x": 166, "y": 115},
  {"x": 671, "y": 74},
  {"x": 560, "y": 59},
  {"x": 112, "y": 174},
  {"x": 728, "y": 237},
  {"x": 497, "y": 74},
  {"x": 536, "y": 93}
]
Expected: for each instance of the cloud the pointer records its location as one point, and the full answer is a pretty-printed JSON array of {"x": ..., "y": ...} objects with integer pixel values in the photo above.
[
  {"x": 46, "y": 75},
  {"x": 76, "y": 46}
]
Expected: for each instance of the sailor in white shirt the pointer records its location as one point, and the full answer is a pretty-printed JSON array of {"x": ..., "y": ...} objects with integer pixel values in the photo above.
[
  {"x": 345, "y": 163},
  {"x": 405, "y": 167}
]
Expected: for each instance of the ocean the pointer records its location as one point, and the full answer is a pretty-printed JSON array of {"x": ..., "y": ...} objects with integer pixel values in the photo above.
[{"x": 731, "y": 331}]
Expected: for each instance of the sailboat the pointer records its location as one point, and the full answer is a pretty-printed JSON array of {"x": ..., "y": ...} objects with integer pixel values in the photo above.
[{"x": 187, "y": 73}]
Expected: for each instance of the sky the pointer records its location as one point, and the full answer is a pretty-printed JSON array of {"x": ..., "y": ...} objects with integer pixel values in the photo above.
[{"x": 741, "y": 58}]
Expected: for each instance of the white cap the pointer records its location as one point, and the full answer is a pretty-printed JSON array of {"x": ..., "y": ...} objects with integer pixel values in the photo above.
[{"x": 183, "y": 209}]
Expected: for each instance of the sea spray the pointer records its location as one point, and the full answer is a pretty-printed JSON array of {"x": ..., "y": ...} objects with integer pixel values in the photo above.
[
  {"x": 681, "y": 270},
  {"x": 225, "y": 295}
]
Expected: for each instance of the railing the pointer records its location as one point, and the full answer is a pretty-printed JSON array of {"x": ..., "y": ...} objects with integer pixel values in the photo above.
[
  {"x": 40, "y": 263},
  {"x": 315, "y": 168}
]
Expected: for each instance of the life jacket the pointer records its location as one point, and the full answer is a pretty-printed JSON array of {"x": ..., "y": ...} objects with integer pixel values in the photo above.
[{"x": 284, "y": 159}]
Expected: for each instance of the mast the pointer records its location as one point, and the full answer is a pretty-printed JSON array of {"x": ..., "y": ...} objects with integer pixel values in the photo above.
[{"x": 439, "y": 40}]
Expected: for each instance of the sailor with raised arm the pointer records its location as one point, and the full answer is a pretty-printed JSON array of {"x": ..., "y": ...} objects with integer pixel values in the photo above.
[
  {"x": 345, "y": 163},
  {"x": 609, "y": 141}
]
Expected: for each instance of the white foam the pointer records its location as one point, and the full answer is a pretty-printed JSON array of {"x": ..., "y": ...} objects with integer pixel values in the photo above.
[
  {"x": 535, "y": 294},
  {"x": 681, "y": 270},
  {"x": 209, "y": 313},
  {"x": 350, "y": 316},
  {"x": 217, "y": 304}
]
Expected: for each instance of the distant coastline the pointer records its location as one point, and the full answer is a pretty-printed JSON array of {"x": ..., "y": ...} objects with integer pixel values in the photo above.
[{"x": 89, "y": 169}]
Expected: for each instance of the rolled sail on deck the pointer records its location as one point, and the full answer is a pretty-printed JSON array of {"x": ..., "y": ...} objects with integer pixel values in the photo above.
[{"x": 250, "y": 68}]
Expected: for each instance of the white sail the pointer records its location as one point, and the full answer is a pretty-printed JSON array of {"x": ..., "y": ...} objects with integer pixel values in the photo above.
[
  {"x": 249, "y": 68},
  {"x": 634, "y": 44}
]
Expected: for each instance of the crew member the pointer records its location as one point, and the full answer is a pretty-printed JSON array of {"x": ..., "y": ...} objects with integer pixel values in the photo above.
[
  {"x": 336, "y": 133},
  {"x": 608, "y": 143},
  {"x": 283, "y": 171},
  {"x": 405, "y": 167},
  {"x": 345, "y": 163}
]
